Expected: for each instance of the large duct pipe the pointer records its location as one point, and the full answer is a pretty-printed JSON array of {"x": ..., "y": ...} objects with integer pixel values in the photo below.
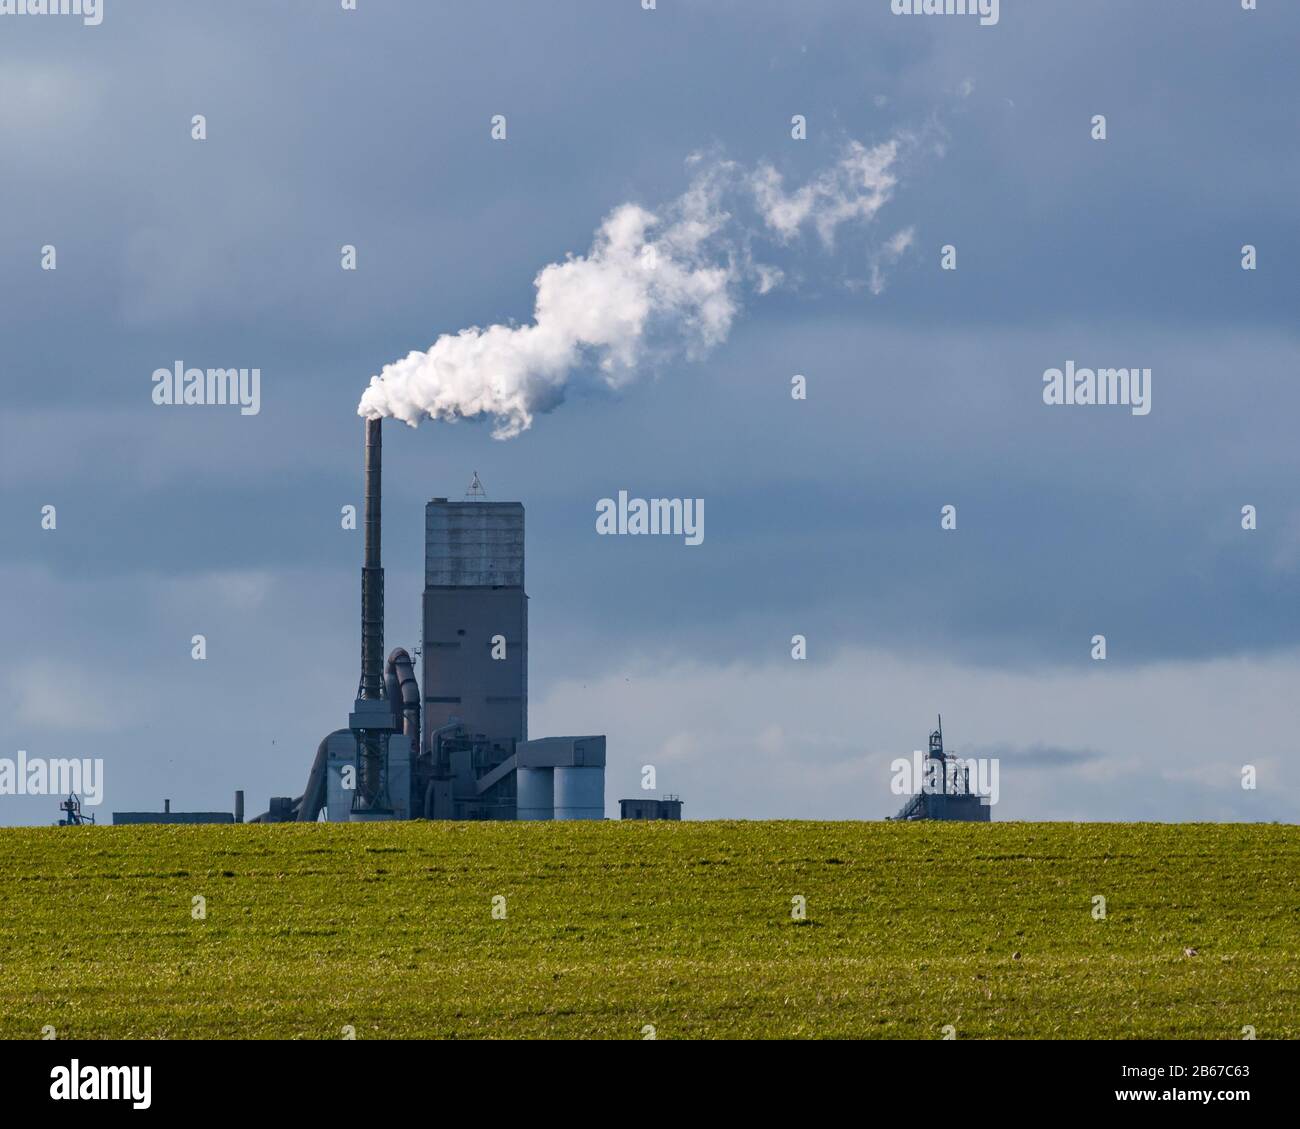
[
  {"x": 313, "y": 798},
  {"x": 401, "y": 674},
  {"x": 393, "y": 692}
]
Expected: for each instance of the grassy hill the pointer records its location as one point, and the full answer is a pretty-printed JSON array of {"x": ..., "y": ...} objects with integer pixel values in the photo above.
[{"x": 686, "y": 928}]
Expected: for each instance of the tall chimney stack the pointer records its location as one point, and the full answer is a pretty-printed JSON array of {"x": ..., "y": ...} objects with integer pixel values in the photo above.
[
  {"x": 372, "y": 572},
  {"x": 371, "y": 718}
]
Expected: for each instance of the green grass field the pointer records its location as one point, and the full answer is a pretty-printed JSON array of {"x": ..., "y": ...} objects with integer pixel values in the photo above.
[{"x": 688, "y": 928}]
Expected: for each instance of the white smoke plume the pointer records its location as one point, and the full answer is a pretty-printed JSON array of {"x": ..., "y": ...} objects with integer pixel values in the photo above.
[
  {"x": 856, "y": 187},
  {"x": 651, "y": 283},
  {"x": 893, "y": 250}
]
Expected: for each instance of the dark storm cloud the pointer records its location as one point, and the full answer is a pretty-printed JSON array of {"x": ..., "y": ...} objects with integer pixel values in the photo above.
[{"x": 371, "y": 128}]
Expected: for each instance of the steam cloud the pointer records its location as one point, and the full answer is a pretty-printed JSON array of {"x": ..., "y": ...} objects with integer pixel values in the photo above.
[{"x": 651, "y": 284}]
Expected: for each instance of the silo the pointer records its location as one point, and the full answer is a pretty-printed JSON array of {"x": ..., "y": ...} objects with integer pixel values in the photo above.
[
  {"x": 579, "y": 793},
  {"x": 534, "y": 791}
]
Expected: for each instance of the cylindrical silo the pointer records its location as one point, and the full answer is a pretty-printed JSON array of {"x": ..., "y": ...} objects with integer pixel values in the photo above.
[
  {"x": 534, "y": 789},
  {"x": 579, "y": 793}
]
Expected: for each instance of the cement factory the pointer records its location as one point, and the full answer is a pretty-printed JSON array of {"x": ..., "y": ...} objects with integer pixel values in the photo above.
[{"x": 457, "y": 746}]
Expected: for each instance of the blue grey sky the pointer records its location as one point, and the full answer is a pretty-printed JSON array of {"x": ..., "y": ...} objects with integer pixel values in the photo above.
[{"x": 372, "y": 128}]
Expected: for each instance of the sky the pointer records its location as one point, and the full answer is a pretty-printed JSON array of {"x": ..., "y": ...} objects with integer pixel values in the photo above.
[{"x": 373, "y": 128}]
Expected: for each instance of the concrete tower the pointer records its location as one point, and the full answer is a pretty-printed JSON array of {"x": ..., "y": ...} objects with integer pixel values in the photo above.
[{"x": 475, "y": 620}]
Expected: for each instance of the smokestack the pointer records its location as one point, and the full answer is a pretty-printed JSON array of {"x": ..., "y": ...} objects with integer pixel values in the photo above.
[
  {"x": 371, "y": 718},
  {"x": 239, "y": 806},
  {"x": 372, "y": 573},
  {"x": 167, "y": 806}
]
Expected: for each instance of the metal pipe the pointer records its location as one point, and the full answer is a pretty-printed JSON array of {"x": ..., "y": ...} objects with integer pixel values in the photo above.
[
  {"x": 313, "y": 798},
  {"x": 434, "y": 744},
  {"x": 406, "y": 700},
  {"x": 393, "y": 692}
]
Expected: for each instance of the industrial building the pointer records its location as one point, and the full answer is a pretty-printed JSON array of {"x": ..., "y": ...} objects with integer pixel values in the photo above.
[
  {"x": 453, "y": 744},
  {"x": 169, "y": 816},
  {"x": 670, "y": 807},
  {"x": 946, "y": 794}
]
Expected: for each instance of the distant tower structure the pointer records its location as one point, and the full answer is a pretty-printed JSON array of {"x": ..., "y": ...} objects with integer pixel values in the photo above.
[
  {"x": 476, "y": 493},
  {"x": 75, "y": 817},
  {"x": 944, "y": 789}
]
